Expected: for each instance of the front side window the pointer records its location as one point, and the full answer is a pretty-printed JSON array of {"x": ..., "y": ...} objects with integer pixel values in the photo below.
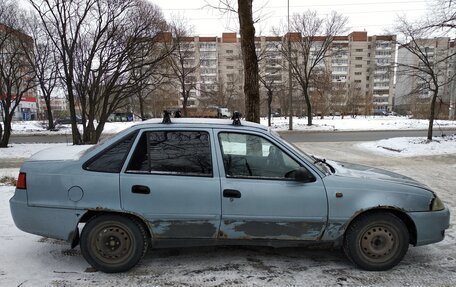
[
  {"x": 173, "y": 152},
  {"x": 246, "y": 155}
]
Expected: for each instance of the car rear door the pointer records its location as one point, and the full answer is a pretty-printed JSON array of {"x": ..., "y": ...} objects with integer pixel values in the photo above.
[
  {"x": 258, "y": 200},
  {"x": 171, "y": 180}
]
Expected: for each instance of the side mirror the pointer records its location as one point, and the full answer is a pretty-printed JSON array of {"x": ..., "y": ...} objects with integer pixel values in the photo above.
[{"x": 303, "y": 175}]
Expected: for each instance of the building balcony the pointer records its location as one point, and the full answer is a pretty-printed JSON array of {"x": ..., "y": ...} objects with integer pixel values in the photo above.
[
  {"x": 383, "y": 47},
  {"x": 381, "y": 88},
  {"x": 382, "y": 56},
  {"x": 339, "y": 64},
  {"x": 380, "y": 103},
  {"x": 382, "y": 80},
  {"x": 208, "y": 74},
  {"x": 339, "y": 72}
]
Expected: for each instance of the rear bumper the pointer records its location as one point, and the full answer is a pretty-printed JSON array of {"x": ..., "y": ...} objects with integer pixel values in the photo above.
[
  {"x": 430, "y": 226},
  {"x": 49, "y": 222}
]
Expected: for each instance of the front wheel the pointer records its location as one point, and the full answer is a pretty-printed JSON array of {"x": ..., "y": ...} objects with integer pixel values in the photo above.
[
  {"x": 113, "y": 243},
  {"x": 376, "y": 241}
]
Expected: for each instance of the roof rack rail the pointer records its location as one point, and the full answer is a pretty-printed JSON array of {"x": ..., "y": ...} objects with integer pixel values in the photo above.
[
  {"x": 236, "y": 118},
  {"x": 166, "y": 117}
]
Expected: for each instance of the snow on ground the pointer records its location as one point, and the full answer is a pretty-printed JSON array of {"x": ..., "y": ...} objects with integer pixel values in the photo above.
[{"x": 368, "y": 123}]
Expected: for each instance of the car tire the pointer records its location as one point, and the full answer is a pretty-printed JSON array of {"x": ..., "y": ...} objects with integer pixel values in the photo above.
[
  {"x": 113, "y": 243},
  {"x": 376, "y": 241}
]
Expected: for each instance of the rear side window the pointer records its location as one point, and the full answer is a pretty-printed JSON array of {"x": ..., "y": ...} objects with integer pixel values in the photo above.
[
  {"x": 173, "y": 152},
  {"x": 112, "y": 158}
]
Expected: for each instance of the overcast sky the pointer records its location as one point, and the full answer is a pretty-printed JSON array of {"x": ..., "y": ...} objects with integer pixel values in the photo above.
[{"x": 373, "y": 16}]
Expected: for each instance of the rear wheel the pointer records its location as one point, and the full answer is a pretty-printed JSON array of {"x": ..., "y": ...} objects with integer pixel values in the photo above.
[
  {"x": 376, "y": 241},
  {"x": 113, "y": 243}
]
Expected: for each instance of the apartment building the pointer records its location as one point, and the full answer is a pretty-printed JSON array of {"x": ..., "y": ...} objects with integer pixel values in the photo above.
[
  {"x": 412, "y": 92},
  {"x": 361, "y": 66}
]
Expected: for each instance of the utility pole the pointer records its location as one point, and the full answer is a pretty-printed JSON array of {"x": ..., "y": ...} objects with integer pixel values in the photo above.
[{"x": 290, "y": 94}]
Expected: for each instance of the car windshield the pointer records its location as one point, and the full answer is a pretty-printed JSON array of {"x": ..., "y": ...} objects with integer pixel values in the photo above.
[{"x": 309, "y": 158}]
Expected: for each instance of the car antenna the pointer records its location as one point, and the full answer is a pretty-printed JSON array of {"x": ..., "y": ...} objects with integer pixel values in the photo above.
[
  {"x": 166, "y": 117},
  {"x": 236, "y": 118}
]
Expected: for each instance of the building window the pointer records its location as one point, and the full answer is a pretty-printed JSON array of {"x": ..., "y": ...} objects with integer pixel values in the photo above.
[
  {"x": 359, "y": 50},
  {"x": 357, "y": 81},
  {"x": 229, "y": 51},
  {"x": 357, "y": 73},
  {"x": 230, "y": 67},
  {"x": 358, "y": 58},
  {"x": 358, "y": 66}
]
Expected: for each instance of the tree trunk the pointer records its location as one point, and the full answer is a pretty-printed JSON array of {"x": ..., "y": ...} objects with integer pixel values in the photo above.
[
  {"x": 99, "y": 131},
  {"x": 141, "y": 108},
  {"x": 309, "y": 107},
  {"x": 6, "y": 132},
  {"x": 71, "y": 100},
  {"x": 269, "y": 107},
  {"x": 184, "y": 102},
  {"x": 251, "y": 87},
  {"x": 432, "y": 115},
  {"x": 47, "y": 100}
]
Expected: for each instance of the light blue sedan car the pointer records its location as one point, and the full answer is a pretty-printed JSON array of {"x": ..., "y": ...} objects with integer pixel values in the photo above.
[{"x": 194, "y": 182}]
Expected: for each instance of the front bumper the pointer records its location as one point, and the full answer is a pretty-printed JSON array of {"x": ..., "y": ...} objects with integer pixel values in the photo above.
[
  {"x": 430, "y": 225},
  {"x": 55, "y": 223}
]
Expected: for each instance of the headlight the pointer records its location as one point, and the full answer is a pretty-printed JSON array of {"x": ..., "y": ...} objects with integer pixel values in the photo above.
[{"x": 437, "y": 204}]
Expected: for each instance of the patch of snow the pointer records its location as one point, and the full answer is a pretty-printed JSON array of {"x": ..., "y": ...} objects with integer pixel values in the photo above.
[
  {"x": 412, "y": 146},
  {"x": 366, "y": 123},
  {"x": 26, "y": 150}
]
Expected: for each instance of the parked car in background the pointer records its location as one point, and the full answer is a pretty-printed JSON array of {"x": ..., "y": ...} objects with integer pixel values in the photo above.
[
  {"x": 380, "y": 113},
  {"x": 193, "y": 182},
  {"x": 276, "y": 114},
  {"x": 67, "y": 121}
]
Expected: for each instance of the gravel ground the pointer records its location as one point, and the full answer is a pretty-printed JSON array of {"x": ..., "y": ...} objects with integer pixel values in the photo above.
[{"x": 45, "y": 262}]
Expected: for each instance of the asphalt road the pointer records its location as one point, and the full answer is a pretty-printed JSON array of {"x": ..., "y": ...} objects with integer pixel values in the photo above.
[{"x": 292, "y": 136}]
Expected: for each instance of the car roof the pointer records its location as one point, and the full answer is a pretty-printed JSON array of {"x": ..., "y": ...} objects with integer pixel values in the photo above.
[{"x": 200, "y": 122}]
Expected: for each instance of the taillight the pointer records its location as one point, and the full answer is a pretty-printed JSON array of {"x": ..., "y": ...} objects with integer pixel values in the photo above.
[{"x": 21, "y": 181}]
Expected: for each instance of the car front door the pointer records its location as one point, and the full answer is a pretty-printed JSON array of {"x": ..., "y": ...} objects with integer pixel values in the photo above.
[
  {"x": 260, "y": 197},
  {"x": 170, "y": 180}
]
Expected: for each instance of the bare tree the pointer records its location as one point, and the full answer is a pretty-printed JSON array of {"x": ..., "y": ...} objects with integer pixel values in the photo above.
[
  {"x": 311, "y": 45},
  {"x": 146, "y": 87},
  {"x": 321, "y": 84},
  {"x": 354, "y": 100},
  {"x": 427, "y": 65},
  {"x": 100, "y": 43},
  {"x": 45, "y": 64},
  {"x": 16, "y": 73},
  {"x": 183, "y": 62},
  {"x": 270, "y": 72}
]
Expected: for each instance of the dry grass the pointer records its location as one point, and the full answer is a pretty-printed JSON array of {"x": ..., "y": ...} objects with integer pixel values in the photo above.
[{"x": 8, "y": 180}]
